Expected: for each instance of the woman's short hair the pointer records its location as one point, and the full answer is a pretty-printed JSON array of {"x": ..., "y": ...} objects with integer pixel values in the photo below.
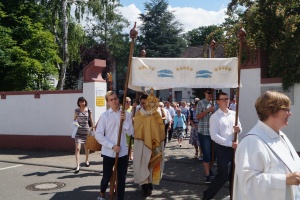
[
  {"x": 109, "y": 93},
  {"x": 81, "y": 99},
  {"x": 269, "y": 103},
  {"x": 128, "y": 99}
]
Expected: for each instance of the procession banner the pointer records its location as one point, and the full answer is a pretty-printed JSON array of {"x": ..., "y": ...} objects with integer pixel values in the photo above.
[{"x": 163, "y": 73}]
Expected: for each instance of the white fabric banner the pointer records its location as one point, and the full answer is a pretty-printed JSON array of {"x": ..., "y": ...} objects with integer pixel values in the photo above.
[{"x": 163, "y": 73}]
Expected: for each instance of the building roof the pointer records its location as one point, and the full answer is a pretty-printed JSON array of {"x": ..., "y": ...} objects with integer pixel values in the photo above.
[{"x": 198, "y": 52}]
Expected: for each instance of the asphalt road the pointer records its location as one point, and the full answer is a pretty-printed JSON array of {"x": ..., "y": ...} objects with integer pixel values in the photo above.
[{"x": 41, "y": 175}]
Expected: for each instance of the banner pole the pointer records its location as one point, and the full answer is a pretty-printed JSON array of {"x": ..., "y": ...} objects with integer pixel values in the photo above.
[
  {"x": 133, "y": 35},
  {"x": 142, "y": 55},
  {"x": 241, "y": 34},
  {"x": 212, "y": 44}
]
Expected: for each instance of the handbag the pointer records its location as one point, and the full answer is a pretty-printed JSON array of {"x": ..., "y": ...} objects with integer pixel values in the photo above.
[
  {"x": 75, "y": 126},
  {"x": 92, "y": 144}
]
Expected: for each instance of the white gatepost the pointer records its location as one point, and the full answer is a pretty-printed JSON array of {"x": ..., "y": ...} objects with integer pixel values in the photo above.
[{"x": 94, "y": 87}]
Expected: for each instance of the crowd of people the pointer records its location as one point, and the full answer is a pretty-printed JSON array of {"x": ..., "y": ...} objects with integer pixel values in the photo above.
[{"x": 265, "y": 160}]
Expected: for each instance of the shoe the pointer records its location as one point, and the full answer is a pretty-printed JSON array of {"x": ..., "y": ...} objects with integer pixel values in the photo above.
[
  {"x": 101, "y": 198},
  {"x": 196, "y": 154},
  {"x": 77, "y": 170},
  {"x": 207, "y": 179},
  {"x": 211, "y": 173},
  {"x": 200, "y": 158},
  {"x": 204, "y": 195},
  {"x": 150, "y": 186},
  {"x": 146, "y": 190},
  {"x": 87, "y": 164}
]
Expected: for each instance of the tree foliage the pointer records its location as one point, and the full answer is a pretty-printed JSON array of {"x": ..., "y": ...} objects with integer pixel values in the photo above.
[
  {"x": 88, "y": 54},
  {"x": 29, "y": 49},
  {"x": 273, "y": 25},
  {"x": 199, "y": 36},
  {"x": 161, "y": 34},
  {"x": 99, "y": 10},
  {"x": 33, "y": 29}
]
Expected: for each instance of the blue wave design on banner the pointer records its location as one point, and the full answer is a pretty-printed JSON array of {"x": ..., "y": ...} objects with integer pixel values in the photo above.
[
  {"x": 165, "y": 73},
  {"x": 203, "y": 74}
]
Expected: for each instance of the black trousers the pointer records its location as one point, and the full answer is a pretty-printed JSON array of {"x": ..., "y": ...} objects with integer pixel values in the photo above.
[
  {"x": 108, "y": 164},
  {"x": 224, "y": 171},
  {"x": 170, "y": 132},
  {"x": 166, "y": 132}
]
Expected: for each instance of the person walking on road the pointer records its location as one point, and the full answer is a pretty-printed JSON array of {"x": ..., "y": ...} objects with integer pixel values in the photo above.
[
  {"x": 149, "y": 135},
  {"x": 185, "y": 110},
  {"x": 222, "y": 128},
  {"x": 267, "y": 165},
  {"x": 172, "y": 113},
  {"x": 204, "y": 110},
  {"x": 107, "y": 135},
  {"x": 194, "y": 140},
  {"x": 82, "y": 115},
  {"x": 128, "y": 108},
  {"x": 180, "y": 123}
]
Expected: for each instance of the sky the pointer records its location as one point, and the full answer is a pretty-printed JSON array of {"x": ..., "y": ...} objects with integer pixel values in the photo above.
[{"x": 190, "y": 13}]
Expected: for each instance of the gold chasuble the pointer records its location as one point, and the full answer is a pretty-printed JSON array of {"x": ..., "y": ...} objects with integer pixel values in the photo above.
[{"x": 149, "y": 136}]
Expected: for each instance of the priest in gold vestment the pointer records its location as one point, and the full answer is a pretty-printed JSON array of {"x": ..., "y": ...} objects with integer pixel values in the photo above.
[{"x": 149, "y": 135}]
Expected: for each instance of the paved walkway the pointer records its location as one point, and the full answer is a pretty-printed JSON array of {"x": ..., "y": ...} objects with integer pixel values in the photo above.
[{"x": 183, "y": 176}]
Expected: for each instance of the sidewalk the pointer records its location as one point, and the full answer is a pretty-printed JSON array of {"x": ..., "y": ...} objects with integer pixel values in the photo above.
[{"x": 183, "y": 176}]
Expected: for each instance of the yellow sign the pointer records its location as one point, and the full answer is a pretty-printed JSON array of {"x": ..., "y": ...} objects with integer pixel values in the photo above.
[{"x": 100, "y": 101}]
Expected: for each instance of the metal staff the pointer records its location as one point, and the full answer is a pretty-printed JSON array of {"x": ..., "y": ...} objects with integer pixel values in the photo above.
[
  {"x": 241, "y": 34},
  {"x": 133, "y": 35}
]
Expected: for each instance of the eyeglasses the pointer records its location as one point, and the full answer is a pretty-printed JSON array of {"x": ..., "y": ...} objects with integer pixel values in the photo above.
[
  {"x": 286, "y": 110},
  {"x": 224, "y": 99}
]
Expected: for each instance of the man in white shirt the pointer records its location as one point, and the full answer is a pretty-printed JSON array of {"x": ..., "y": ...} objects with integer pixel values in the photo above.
[
  {"x": 107, "y": 135},
  {"x": 167, "y": 120},
  {"x": 172, "y": 113},
  {"x": 222, "y": 128}
]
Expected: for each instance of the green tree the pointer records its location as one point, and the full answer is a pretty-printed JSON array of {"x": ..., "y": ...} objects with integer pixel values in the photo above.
[
  {"x": 199, "y": 35},
  {"x": 273, "y": 25},
  {"x": 107, "y": 27},
  {"x": 29, "y": 49},
  {"x": 160, "y": 33},
  {"x": 103, "y": 21}
]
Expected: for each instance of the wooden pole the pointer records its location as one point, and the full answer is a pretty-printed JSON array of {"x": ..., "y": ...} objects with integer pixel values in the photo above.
[
  {"x": 142, "y": 55},
  {"x": 133, "y": 35},
  {"x": 212, "y": 44},
  {"x": 241, "y": 34}
]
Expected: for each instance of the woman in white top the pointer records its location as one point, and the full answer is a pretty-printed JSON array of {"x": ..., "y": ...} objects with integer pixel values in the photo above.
[{"x": 267, "y": 165}]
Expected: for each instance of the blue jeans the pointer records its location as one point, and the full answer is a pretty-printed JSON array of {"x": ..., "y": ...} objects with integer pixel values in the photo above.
[{"x": 205, "y": 145}]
